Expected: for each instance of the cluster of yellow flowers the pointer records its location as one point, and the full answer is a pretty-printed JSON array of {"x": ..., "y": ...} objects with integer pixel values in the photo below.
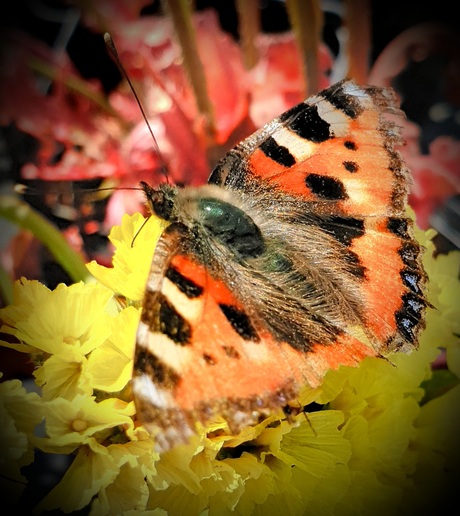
[{"x": 384, "y": 439}]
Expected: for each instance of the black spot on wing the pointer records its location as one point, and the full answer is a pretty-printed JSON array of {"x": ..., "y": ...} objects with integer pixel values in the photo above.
[
  {"x": 305, "y": 121},
  {"x": 398, "y": 227},
  {"x": 208, "y": 359},
  {"x": 185, "y": 285},
  {"x": 350, "y": 145},
  {"x": 409, "y": 316},
  {"x": 240, "y": 322},
  {"x": 355, "y": 266},
  {"x": 348, "y": 104},
  {"x": 351, "y": 166},
  {"x": 161, "y": 316},
  {"x": 152, "y": 366},
  {"x": 409, "y": 253},
  {"x": 277, "y": 152},
  {"x": 343, "y": 229},
  {"x": 231, "y": 352},
  {"x": 326, "y": 187}
]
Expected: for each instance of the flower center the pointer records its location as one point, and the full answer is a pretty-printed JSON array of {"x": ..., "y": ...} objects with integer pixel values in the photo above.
[{"x": 79, "y": 425}]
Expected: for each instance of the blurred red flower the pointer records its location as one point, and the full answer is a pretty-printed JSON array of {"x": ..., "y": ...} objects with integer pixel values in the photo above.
[
  {"x": 436, "y": 177},
  {"x": 82, "y": 139}
]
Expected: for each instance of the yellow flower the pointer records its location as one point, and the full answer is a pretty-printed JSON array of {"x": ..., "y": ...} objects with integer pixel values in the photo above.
[
  {"x": 51, "y": 321},
  {"x": 131, "y": 263},
  {"x": 60, "y": 328},
  {"x": 72, "y": 423},
  {"x": 370, "y": 440},
  {"x": 20, "y": 413}
]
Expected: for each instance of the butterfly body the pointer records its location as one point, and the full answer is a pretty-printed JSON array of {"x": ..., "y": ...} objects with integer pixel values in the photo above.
[{"x": 273, "y": 272}]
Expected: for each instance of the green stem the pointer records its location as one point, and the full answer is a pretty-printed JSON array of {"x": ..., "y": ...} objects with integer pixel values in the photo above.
[
  {"x": 181, "y": 14},
  {"x": 24, "y": 216},
  {"x": 249, "y": 27},
  {"x": 306, "y": 19},
  {"x": 6, "y": 287}
]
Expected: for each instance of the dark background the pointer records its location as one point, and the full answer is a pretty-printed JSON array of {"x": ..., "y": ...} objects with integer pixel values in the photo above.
[{"x": 87, "y": 51}]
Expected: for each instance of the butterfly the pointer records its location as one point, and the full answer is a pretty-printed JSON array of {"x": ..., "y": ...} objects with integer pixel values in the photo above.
[{"x": 295, "y": 258}]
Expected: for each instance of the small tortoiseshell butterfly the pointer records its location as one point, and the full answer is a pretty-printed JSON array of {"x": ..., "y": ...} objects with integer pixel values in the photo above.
[{"x": 295, "y": 258}]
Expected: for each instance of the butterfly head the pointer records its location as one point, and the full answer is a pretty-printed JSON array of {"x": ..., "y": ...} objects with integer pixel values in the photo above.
[{"x": 160, "y": 200}]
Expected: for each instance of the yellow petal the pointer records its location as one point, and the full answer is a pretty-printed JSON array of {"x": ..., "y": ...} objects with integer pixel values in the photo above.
[
  {"x": 128, "y": 491},
  {"x": 134, "y": 242},
  {"x": 256, "y": 479},
  {"x": 111, "y": 364},
  {"x": 286, "y": 497},
  {"x": 64, "y": 375},
  {"x": 26, "y": 408},
  {"x": 316, "y": 445},
  {"x": 92, "y": 470}
]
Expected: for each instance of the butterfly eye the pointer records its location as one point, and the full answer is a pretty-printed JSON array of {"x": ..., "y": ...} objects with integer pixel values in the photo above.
[{"x": 231, "y": 226}]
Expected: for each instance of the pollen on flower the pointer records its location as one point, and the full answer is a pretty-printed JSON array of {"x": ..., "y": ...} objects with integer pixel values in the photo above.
[{"x": 79, "y": 425}]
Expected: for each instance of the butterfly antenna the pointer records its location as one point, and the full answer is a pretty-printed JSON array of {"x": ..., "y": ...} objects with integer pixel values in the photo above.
[
  {"x": 315, "y": 433},
  {"x": 139, "y": 230},
  {"x": 114, "y": 54}
]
